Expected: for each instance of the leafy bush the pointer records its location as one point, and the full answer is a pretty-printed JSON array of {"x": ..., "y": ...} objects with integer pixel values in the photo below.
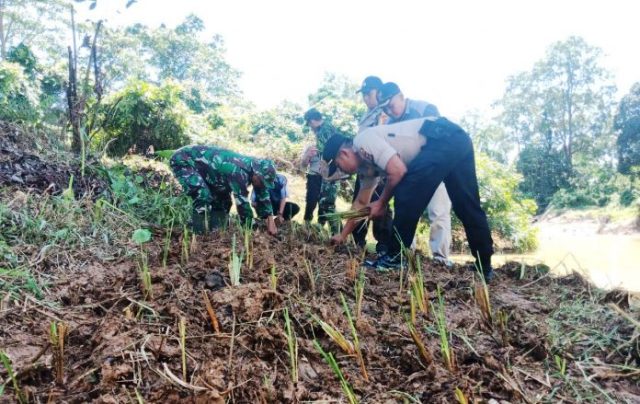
[
  {"x": 144, "y": 115},
  {"x": 509, "y": 213},
  {"x": 596, "y": 188},
  {"x": 18, "y": 95}
]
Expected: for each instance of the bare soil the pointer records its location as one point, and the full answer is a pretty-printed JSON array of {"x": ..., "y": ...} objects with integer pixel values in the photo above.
[
  {"x": 123, "y": 346},
  {"x": 120, "y": 343}
]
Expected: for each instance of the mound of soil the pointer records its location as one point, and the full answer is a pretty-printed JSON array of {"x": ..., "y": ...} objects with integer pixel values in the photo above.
[
  {"x": 22, "y": 165},
  {"x": 121, "y": 345}
]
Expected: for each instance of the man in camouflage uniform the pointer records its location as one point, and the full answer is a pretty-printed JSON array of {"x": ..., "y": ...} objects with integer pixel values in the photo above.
[
  {"x": 209, "y": 175},
  {"x": 319, "y": 191}
]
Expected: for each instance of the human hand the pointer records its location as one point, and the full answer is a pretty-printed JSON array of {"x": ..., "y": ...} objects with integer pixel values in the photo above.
[
  {"x": 271, "y": 226},
  {"x": 337, "y": 239},
  {"x": 377, "y": 209}
]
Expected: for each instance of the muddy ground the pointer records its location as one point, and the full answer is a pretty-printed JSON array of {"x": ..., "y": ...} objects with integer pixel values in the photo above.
[
  {"x": 550, "y": 339},
  {"x": 120, "y": 344}
]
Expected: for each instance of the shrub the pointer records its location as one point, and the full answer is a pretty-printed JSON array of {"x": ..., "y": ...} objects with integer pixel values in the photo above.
[
  {"x": 143, "y": 115},
  {"x": 18, "y": 95},
  {"x": 508, "y": 211}
]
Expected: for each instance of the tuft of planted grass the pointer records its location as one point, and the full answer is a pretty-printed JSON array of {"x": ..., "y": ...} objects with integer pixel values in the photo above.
[
  {"x": 481, "y": 294},
  {"x": 185, "y": 244},
  {"x": 273, "y": 277},
  {"x": 247, "y": 232},
  {"x": 448, "y": 356},
  {"x": 358, "y": 287},
  {"x": 503, "y": 324},
  {"x": 425, "y": 353},
  {"x": 6, "y": 362},
  {"x": 344, "y": 384},
  {"x": 235, "y": 264},
  {"x": 292, "y": 345},
  {"x": 356, "y": 340},
  {"x": 145, "y": 275},
  {"x": 335, "y": 335},
  {"x": 460, "y": 397},
  {"x": 57, "y": 334},
  {"x": 182, "y": 329}
]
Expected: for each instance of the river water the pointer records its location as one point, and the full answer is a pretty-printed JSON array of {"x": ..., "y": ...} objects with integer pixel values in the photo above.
[{"x": 608, "y": 260}]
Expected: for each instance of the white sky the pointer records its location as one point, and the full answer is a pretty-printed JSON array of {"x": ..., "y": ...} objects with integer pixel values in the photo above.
[{"x": 454, "y": 53}]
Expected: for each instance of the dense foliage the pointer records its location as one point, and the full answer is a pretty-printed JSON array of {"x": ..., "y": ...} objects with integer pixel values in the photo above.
[{"x": 144, "y": 115}]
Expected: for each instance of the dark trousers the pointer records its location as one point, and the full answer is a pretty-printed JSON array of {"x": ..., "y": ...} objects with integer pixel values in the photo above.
[
  {"x": 314, "y": 184},
  {"x": 447, "y": 157},
  {"x": 290, "y": 209},
  {"x": 382, "y": 227}
]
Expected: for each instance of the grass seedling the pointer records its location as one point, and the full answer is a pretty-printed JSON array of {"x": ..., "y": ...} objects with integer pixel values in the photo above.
[
  {"x": 359, "y": 293},
  {"x": 57, "y": 333},
  {"x": 185, "y": 243},
  {"x": 212, "y": 314},
  {"x": 561, "y": 365},
  {"x": 182, "y": 329},
  {"x": 344, "y": 384},
  {"x": 417, "y": 285},
  {"x": 335, "y": 335},
  {"x": 292, "y": 344},
  {"x": 273, "y": 278},
  {"x": 235, "y": 263},
  {"x": 167, "y": 245},
  {"x": 503, "y": 321},
  {"x": 425, "y": 353},
  {"x": 356, "y": 341},
  {"x": 248, "y": 245},
  {"x": 310, "y": 274},
  {"x": 145, "y": 275},
  {"x": 441, "y": 324},
  {"x": 141, "y": 236},
  {"x": 462, "y": 399},
  {"x": 6, "y": 362},
  {"x": 481, "y": 294}
]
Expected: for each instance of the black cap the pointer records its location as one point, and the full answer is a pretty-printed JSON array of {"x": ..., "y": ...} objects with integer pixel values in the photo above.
[
  {"x": 387, "y": 91},
  {"x": 312, "y": 114},
  {"x": 370, "y": 83},
  {"x": 331, "y": 149}
]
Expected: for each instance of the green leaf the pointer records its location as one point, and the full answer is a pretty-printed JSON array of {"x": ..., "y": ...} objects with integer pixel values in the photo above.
[{"x": 141, "y": 236}]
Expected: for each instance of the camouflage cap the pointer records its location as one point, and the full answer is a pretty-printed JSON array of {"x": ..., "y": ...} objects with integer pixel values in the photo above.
[{"x": 266, "y": 169}]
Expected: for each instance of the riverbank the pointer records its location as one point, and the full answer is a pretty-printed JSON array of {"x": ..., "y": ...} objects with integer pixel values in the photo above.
[{"x": 601, "y": 244}]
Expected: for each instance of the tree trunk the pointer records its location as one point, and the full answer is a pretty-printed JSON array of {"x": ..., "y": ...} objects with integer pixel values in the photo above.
[
  {"x": 72, "y": 101},
  {"x": 3, "y": 45}
]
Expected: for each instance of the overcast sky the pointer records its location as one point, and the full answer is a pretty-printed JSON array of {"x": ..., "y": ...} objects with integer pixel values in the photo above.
[{"x": 455, "y": 53}]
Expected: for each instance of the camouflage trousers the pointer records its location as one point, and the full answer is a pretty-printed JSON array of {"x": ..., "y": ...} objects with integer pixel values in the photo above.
[
  {"x": 322, "y": 194},
  {"x": 203, "y": 196}
]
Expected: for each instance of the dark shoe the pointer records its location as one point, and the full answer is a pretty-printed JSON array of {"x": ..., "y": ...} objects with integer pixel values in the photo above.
[
  {"x": 381, "y": 249},
  {"x": 487, "y": 273},
  {"x": 387, "y": 263}
]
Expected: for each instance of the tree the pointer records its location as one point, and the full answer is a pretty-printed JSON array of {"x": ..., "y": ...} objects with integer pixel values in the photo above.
[
  {"x": 182, "y": 55},
  {"x": 143, "y": 115},
  {"x": 39, "y": 24},
  {"x": 18, "y": 94},
  {"x": 562, "y": 108},
  {"x": 627, "y": 124},
  {"x": 488, "y": 137},
  {"x": 336, "y": 98}
]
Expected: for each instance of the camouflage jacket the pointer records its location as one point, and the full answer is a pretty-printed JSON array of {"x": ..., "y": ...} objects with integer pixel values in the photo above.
[{"x": 226, "y": 172}]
